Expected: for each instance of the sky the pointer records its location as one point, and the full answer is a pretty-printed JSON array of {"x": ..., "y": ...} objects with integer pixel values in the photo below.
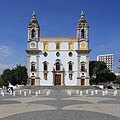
[{"x": 58, "y": 18}]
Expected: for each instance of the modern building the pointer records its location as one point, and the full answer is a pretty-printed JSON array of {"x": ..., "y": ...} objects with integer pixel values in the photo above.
[
  {"x": 58, "y": 60},
  {"x": 108, "y": 59}
]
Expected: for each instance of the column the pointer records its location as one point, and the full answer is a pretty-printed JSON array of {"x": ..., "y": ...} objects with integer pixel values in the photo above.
[
  {"x": 28, "y": 70},
  {"x": 78, "y": 71},
  {"x": 87, "y": 67},
  {"x": 37, "y": 75}
]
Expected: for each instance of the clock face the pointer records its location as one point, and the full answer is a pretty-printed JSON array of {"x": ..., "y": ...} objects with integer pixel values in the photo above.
[
  {"x": 33, "y": 45},
  {"x": 83, "y": 44}
]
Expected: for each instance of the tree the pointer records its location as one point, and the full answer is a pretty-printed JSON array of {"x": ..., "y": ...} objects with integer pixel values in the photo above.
[
  {"x": 91, "y": 67},
  {"x": 1, "y": 82},
  {"x": 15, "y": 76},
  {"x": 21, "y": 74},
  {"x": 100, "y": 72},
  {"x": 6, "y": 77},
  {"x": 117, "y": 80}
]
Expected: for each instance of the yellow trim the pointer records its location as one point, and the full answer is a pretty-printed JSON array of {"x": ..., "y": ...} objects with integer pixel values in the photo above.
[
  {"x": 70, "y": 45},
  {"x": 45, "y": 45},
  {"x": 83, "y": 49}
]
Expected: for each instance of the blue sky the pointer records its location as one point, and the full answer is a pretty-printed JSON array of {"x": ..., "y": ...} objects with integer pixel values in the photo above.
[{"x": 58, "y": 18}]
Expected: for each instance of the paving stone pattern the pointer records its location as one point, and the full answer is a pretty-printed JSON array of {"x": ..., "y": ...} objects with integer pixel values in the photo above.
[
  {"x": 61, "y": 115},
  {"x": 68, "y": 107}
]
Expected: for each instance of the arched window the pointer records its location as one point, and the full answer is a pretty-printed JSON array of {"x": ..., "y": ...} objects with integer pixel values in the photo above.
[
  {"x": 70, "y": 66},
  {"x": 82, "y": 33},
  {"x": 33, "y": 34},
  {"x": 83, "y": 67},
  {"x": 57, "y": 66},
  {"x": 32, "y": 66},
  {"x": 45, "y": 66}
]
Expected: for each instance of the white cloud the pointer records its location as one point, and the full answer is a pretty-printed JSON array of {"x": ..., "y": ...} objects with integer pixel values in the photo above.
[
  {"x": 6, "y": 66},
  {"x": 5, "y": 51}
]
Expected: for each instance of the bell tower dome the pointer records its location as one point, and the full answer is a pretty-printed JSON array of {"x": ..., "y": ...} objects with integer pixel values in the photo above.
[
  {"x": 82, "y": 31},
  {"x": 33, "y": 28}
]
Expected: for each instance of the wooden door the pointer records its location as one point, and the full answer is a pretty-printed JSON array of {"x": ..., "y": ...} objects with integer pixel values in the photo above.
[
  {"x": 33, "y": 82},
  {"x": 57, "y": 80},
  {"x": 82, "y": 81}
]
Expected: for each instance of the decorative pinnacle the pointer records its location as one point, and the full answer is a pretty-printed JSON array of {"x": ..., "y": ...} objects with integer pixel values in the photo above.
[
  {"x": 33, "y": 14},
  {"x": 82, "y": 14}
]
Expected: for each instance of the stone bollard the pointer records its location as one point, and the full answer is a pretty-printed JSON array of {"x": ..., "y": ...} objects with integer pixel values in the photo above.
[
  {"x": 30, "y": 92},
  {"x": 36, "y": 93},
  {"x": 106, "y": 92},
  {"x": 20, "y": 92},
  {"x": 25, "y": 93},
  {"x": 96, "y": 92},
  {"x": 48, "y": 92},
  {"x": 67, "y": 91},
  {"x": 77, "y": 92},
  {"x": 39, "y": 92},
  {"x": 92, "y": 93},
  {"x": 70, "y": 93},
  {"x": 103, "y": 93},
  {"x": 115, "y": 93},
  {"x": 86, "y": 92},
  {"x": 81, "y": 93},
  {"x": 3, "y": 94},
  {"x": 11, "y": 93},
  {"x": 14, "y": 93}
]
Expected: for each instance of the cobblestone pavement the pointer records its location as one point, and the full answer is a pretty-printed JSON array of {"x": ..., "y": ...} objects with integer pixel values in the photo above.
[
  {"x": 61, "y": 115},
  {"x": 60, "y": 105}
]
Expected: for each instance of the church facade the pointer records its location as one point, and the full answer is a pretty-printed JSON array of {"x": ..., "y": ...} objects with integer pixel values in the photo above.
[{"x": 58, "y": 60}]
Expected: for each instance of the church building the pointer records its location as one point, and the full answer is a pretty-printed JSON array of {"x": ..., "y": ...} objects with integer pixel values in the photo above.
[{"x": 56, "y": 60}]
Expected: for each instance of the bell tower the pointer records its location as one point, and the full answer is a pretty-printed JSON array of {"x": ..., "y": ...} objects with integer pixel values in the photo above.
[
  {"x": 33, "y": 51},
  {"x": 83, "y": 51}
]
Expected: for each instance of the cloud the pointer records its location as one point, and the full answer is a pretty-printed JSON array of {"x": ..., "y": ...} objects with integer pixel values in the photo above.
[
  {"x": 5, "y": 51},
  {"x": 6, "y": 66}
]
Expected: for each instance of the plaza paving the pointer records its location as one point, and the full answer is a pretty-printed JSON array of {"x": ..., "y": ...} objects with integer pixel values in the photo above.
[{"x": 60, "y": 104}]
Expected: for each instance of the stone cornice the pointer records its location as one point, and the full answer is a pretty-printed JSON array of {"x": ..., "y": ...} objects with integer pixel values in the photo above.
[
  {"x": 33, "y": 52},
  {"x": 83, "y": 51}
]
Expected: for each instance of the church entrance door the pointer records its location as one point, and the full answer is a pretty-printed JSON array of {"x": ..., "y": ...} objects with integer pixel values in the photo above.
[
  {"x": 32, "y": 81},
  {"x": 57, "y": 80},
  {"x": 82, "y": 81}
]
